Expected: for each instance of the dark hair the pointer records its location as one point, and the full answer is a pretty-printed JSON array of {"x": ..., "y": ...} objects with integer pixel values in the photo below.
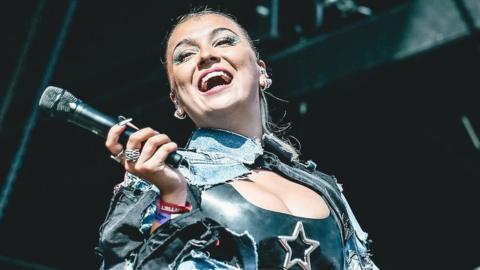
[{"x": 268, "y": 126}]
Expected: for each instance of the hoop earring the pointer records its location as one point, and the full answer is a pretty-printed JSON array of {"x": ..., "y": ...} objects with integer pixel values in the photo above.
[
  {"x": 265, "y": 81},
  {"x": 180, "y": 114}
]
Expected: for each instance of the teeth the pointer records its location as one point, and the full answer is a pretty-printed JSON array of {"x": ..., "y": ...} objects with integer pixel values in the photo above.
[{"x": 214, "y": 74}]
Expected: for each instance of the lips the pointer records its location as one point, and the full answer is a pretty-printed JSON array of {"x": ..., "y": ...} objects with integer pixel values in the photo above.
[{"x": 213, "y": 78}]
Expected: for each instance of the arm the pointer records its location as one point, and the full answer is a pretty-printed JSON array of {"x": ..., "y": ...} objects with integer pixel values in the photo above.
[{"x": 183, "y": 241}]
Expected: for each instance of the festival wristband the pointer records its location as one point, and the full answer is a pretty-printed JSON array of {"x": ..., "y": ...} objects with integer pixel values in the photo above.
[{"x": 171, "y": 208}]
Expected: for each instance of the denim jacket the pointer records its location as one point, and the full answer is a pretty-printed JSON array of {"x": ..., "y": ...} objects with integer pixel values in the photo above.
[{"x": 213, "y": 156}]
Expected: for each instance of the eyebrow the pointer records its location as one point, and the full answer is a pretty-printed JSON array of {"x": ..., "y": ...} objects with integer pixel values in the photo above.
[{"x": 189, "y": 41}]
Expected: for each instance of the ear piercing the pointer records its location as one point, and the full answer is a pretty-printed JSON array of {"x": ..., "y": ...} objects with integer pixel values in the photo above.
[{"x": 265, "y": 81}]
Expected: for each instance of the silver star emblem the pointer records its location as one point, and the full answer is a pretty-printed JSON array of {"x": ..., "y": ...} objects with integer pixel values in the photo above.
[{"x": 304, "y": 263}]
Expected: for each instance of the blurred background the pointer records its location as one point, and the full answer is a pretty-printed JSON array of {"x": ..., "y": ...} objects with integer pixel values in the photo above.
[{"x": 382, "y": 94}]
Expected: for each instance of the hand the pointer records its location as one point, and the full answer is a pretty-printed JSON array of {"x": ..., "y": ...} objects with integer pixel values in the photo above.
[{"x": 151, "y": 166}]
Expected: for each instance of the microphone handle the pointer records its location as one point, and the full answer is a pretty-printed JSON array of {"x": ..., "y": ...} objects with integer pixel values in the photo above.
[{"x": 99, "y": 123}]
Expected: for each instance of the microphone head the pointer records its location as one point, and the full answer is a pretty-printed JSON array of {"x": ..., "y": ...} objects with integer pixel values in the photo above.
[{"x": 57, "y": 100}]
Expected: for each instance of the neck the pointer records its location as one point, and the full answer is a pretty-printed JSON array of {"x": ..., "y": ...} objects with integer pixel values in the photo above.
[
  {"x": 251, "y": 130},
  {"x": 243, "y": 123}
]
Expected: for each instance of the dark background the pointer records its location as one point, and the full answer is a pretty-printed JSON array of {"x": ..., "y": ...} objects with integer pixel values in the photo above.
[{"x": 377, "y": 100}]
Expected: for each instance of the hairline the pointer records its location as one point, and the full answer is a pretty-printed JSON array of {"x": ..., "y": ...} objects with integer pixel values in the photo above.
[
  {"x": 197, "y": 14},
  {"x": 212, "y": 33}
]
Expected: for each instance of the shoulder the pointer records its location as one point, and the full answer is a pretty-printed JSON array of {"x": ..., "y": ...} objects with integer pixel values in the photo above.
[{"x": 310, "y": 167}]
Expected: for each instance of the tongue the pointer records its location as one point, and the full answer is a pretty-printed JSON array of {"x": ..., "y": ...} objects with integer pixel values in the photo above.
[{"x": 215, "y": 81}]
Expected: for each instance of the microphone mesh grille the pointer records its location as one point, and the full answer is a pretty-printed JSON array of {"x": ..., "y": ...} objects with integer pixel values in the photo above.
[{"x": 55, "y": 99}]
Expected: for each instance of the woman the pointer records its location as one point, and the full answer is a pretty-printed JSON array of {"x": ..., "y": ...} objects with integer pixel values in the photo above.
[{"x": 243, "y": 200}]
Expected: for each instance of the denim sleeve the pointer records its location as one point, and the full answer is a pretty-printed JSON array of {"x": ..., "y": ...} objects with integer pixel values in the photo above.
[
  {"x": 184, "y": 242},
  {"x": 120, "y": 237}
]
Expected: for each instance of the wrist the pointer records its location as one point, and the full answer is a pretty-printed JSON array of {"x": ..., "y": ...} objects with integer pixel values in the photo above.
[
  {"x": 171, "y": 208},
  {"x": 166, "y": 211},
  {"x": 178, "y": 197}
]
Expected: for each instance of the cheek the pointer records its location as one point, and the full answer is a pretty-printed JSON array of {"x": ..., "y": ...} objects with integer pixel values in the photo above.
[
  {"x": 253, "y": 74},
  {"x": 181, "y": 77},
  {"x": 247, "y": 61},
  {"x": 181, "y": 82}
]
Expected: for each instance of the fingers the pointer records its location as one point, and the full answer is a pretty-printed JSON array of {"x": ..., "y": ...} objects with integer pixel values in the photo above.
[
  {"x": 113, "y": 136},
  {"x": 158, "y": 159},
  {"x": 138, "y": 138},
  {"x": 152, "y": 144},
  {"x": 150, "y": 166},
  {"x": 154, "y": 149},
  {"x": 149, "y": 142}
]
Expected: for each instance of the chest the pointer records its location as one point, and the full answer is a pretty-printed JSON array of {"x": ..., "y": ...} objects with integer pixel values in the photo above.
[
  {"x": 282, "y": 239},
  {"x": 271, "y": 191}
]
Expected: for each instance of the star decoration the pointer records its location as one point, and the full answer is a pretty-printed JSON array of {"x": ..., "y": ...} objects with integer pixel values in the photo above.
[{"x": 304, "y": 262}]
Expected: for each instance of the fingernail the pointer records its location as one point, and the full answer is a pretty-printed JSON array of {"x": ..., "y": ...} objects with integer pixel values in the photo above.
[{"x": 124, "y": 121}]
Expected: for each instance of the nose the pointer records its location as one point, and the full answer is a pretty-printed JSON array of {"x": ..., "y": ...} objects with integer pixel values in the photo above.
[{"x": 208, "y": 57}]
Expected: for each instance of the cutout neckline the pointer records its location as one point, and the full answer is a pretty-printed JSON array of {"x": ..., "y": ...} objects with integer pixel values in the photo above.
[{"x": 273, "y": 211}]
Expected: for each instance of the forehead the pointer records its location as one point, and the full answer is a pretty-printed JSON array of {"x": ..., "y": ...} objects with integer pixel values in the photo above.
[{"x": 198, "y": 26}]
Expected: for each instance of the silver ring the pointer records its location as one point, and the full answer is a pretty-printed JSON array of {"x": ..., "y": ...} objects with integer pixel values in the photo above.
[
  {"x": 132, "y": 155},
  {"x": 118, "y": 158}
]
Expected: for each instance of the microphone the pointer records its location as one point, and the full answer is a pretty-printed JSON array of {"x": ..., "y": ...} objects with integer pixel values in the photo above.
[{"x": 60, "y": 103}]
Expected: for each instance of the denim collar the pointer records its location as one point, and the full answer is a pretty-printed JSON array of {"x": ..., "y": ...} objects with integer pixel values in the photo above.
[{"x": 233, "y": 145}]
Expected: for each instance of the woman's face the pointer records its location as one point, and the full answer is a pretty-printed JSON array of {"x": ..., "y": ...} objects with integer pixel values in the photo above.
[{"x": 213, "y": 70}]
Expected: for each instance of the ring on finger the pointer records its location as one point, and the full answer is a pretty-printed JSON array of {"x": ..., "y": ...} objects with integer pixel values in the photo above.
[{"x": 132, "y": 155}]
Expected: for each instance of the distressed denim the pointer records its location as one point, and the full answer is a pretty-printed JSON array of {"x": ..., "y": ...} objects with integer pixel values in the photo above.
[
  {"x": 226, "y": 154},
  {"x": 216, "y": 156}
]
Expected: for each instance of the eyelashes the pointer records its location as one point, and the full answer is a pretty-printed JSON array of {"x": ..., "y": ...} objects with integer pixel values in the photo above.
[
  {"x": 225, "y": 41},
  {"x": 182, "y": 57}
]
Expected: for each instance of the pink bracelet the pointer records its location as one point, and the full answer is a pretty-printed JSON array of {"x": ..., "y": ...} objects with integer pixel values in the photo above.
[{"x": 171, "y": 208}]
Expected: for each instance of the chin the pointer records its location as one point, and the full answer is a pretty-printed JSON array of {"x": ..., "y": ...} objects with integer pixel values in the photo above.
[
  {"x": 229, "y": 100},
  {"x": 221, "y": 106}
]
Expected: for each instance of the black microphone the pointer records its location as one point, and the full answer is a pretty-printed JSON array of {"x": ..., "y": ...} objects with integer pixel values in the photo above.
[{"x": 60, "y": 103}]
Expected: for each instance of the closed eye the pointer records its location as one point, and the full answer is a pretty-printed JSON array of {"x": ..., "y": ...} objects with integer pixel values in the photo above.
[
  {"x": 182, "y": 57},
  {"x": 226, "y": 41}
]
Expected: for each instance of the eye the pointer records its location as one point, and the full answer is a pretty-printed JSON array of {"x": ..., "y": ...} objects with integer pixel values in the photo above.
[
  {"x": 226, "y": 41},
  {"x": 182, "y": 57}
]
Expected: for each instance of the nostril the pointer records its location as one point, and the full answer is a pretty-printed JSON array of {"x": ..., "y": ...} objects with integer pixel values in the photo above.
[{"x": 208, "y": 60}]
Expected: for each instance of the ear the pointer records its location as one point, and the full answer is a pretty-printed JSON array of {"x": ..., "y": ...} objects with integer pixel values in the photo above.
[
  {"x": 264, "y": 80},
  {"x": 262, "y": 77},
  {"x": 173, "y": 97},
  {"x": 261, "y": 63}
]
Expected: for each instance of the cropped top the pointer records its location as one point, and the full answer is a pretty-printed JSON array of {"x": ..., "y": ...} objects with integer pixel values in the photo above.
[
  {"x": 282, "y": 240},
  {"x": 224, "y": 230}
]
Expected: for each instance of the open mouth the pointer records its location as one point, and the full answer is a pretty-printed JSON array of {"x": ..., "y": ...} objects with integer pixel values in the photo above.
[{"x": 213, "y": 79}]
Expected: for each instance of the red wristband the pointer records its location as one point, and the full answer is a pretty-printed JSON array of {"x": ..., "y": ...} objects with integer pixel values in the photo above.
[{"x": 172, "y": 208}]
